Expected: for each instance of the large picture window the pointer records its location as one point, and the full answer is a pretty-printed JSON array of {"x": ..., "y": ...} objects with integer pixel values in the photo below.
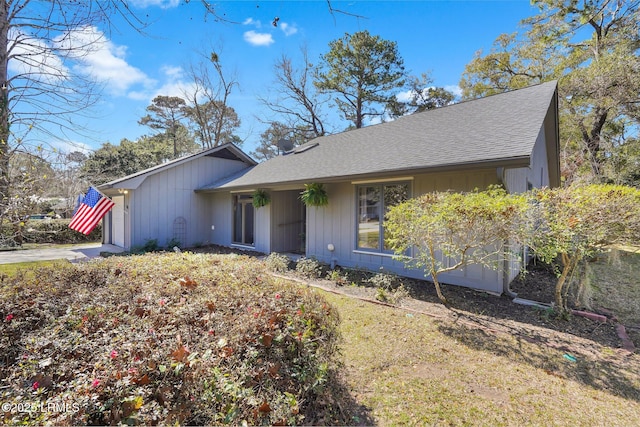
[{"x": 373, "y": 202}]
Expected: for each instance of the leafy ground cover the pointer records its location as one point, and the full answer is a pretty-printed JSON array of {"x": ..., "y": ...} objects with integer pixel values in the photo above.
[{"x": 163, "y": 339}]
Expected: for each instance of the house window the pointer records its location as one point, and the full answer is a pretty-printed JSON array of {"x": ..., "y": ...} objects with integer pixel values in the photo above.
[
  {"x": 243, "y": 219},
  {"x": 374, "y": 200}
]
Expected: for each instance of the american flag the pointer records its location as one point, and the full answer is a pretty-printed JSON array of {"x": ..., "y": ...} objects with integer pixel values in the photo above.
[{"x": 93, "y": 207}]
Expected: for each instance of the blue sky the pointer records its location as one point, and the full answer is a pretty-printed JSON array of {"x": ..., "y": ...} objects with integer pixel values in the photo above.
[{"x": 439, "y": 37}]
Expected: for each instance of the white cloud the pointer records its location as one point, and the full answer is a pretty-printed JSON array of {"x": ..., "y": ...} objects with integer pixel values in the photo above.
[
  {"x": 455, "y": 89},
  {"x": 404, "y": 96},
  {"x": 163, "y": 4},
  {"x": 173, "y": 71},
  {"x": 174, "y": 85},
  {"x": 70, "y": 146},
  {"x": 258, "y": 39},
  {"x": 251, "y": 21},
  {"x": 98, "y": 57},
  {"x": 288, "y": 29},
  {"x": 34, "y": 58}
]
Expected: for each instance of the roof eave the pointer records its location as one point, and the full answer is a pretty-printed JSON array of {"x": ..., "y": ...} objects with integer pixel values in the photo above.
[{"x": 516, "y": 161}]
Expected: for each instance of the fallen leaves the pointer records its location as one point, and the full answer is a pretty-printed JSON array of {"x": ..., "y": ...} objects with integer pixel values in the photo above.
[
  {"x": 188, "y": 283},
  {"x": 180, "y": 354}
]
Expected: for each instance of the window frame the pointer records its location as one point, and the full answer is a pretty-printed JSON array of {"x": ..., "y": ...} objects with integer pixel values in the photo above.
[{"x": 380, "y": 250}]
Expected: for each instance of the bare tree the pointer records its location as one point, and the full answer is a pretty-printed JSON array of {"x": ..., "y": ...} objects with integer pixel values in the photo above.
[
  {"x": 214, "y": 120},
  {"x": 67, "y": 181},
  {"x": 296, "y": 102},
  {"x": 40, "y": 89}
]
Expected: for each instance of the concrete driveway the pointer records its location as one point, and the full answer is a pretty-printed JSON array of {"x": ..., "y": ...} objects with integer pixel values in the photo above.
[{"x": 72, "y": 253}]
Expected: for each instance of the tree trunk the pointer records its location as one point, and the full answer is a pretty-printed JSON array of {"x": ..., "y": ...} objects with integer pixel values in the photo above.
[
  {"x": 4, "y": 108},
  {"x": 567, "y": 267},
  {"x": 434, "y": 275},
  {"x": 441, "y": 297}
]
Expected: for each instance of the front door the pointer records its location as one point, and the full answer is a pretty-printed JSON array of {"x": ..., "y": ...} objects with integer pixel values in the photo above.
[
  {"x": 117, "y": 221},
  {"x": 243, "y": 220}
]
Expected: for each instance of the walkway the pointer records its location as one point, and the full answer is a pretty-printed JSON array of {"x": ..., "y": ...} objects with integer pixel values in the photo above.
[{"x": 72, "y": 253}]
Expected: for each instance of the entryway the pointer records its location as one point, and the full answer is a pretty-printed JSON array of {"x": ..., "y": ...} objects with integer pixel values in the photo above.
[{"x": 288, "y": 222}]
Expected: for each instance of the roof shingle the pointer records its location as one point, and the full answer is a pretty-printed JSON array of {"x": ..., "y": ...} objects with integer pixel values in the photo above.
[{"x": 502, "y": 127}]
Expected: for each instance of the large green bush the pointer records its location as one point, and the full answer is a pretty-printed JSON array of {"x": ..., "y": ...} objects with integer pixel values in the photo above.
[
  {"x": 448, "y": 231},
  {"x": 165, "y": 339}
]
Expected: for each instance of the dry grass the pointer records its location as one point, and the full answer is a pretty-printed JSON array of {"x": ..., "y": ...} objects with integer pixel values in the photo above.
[{"x": 411, "y": 369}]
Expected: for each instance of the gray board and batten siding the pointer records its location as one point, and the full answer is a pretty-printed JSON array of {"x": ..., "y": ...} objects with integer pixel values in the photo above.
[{"x": 160, "y": 203}]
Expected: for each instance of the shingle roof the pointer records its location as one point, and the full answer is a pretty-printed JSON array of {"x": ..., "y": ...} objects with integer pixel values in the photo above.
[{"x": 498, "y": 128}]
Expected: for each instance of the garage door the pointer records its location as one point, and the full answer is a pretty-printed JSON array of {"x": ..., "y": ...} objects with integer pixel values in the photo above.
[{"x": 117, "y": 221}]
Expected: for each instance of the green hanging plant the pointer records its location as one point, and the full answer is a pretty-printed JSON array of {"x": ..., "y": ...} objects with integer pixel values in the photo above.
[
  {"x": 314, "y": 194},
  {"x": 261, "y": 198}
]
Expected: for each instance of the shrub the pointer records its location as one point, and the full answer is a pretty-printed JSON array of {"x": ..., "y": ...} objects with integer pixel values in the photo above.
[
  {"x": 51, "y": 231},
  {"x": 166, "y": 339},
  {"x": 150, "y": 245},
  {"x": 389, "y": 287},
  {"x": 386, "y": 281},
  {"x": 174, "y": 242},
  {"x": 449, "y": 231},
  {"x": 309, "y": 267},
  {"x": 575, "y": 223},
  {"x": 277, "y": 262},
  {"x": 338, "y": 277}
]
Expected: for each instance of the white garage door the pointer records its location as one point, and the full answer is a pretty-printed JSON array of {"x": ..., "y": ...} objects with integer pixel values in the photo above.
[{"x": 117, "y": 221}]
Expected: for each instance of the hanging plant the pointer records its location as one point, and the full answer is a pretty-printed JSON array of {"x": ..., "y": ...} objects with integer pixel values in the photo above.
[
  {"x": 314, "y": 194},
  {"x": 260, "y": 198}
]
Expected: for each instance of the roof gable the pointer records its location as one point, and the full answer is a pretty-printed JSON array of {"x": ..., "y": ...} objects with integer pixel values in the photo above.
[
  {"x": 500, "y": 129},
  {"x": 226, "y": 151}
]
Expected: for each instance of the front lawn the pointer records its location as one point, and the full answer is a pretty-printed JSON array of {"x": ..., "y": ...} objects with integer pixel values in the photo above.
[
  {"x": 212, "y": 339},
  {"x": 27, "y": 267},
  {"x": 472, "y": 370}
]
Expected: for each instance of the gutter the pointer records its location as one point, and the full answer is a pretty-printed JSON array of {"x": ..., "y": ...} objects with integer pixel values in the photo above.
[{"x": 515, "y": 161}]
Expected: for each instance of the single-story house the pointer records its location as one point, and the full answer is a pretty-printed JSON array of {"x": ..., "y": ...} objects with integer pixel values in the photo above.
[{"x": 509, "y": 138}]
